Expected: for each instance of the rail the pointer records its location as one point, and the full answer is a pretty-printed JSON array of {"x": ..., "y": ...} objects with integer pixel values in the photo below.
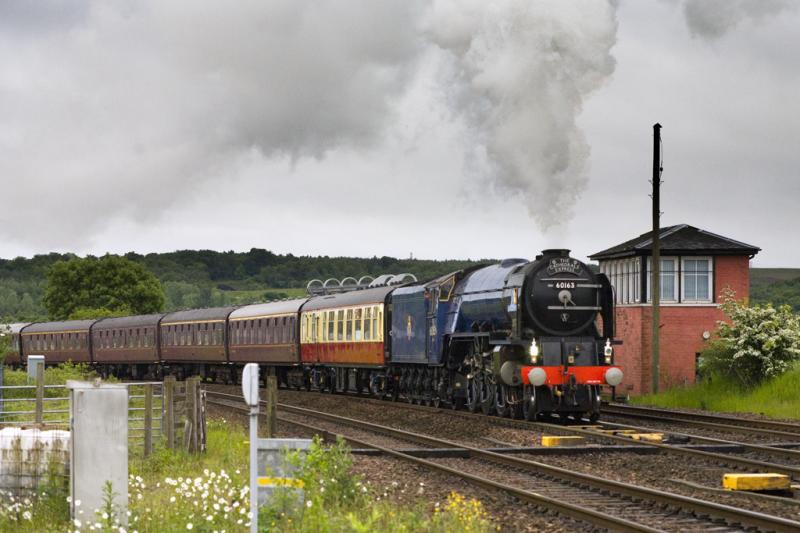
[
  {"x": 724, "y": 422},
  {"x": 702, "y": 510}
]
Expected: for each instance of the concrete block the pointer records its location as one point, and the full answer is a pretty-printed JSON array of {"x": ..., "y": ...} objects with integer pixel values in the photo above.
[
  {"x": 649, "y": 437},
  {"x": 560, "y": 440},
  {"x": 756, "y": 481}
]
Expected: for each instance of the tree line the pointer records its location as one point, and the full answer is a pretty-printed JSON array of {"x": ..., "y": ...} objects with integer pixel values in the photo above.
[
  {"x": 188, "y": 279},
  {"x": 58, "y": 286}
]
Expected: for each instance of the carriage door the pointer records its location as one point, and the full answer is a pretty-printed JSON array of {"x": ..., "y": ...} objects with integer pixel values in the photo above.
[
  {"x": 314, "y": 328},
  {"x": 431, "y": 344}
]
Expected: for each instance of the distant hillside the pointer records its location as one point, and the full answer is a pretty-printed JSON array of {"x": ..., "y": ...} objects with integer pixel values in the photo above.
[
  {"x": 205, "y": 278},
  {"x": 766, "y": 276},
  {"x": 777, "y": 285}
]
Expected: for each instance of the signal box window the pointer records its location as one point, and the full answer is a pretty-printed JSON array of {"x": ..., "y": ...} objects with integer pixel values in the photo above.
[
  {"x": 697, "y": 277},
  {"x": 669, "y": 279}
]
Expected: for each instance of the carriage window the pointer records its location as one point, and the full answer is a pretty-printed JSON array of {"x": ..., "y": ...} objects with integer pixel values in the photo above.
[
  {"x": 379, "y": 325},
  {"x": 339, "y": 325},
  {"x": 367, "y": 323},
  {"x": 357, "y": 318},
  {"x": 349, "y": 325}
]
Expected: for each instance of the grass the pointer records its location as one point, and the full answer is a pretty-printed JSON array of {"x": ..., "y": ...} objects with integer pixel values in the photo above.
[
  {"x": 779, "y": 397},
  {"x": 173, "y": 491}
]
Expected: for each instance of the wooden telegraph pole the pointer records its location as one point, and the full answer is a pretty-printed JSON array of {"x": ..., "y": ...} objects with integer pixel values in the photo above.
[{"x": 655, "y": 281}]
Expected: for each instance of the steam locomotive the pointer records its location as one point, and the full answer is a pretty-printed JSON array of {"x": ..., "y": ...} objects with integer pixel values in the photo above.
[{"x": 517, "y": 338}]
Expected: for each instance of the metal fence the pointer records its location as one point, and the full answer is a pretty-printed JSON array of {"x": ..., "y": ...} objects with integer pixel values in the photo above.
[
  {"x": 34, "y": 426},
  {"x": 44, "y": 407}
]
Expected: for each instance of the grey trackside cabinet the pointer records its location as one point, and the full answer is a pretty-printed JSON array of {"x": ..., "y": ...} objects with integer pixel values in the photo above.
[
  {"x": 99, "y": 447},
  {"x": 33, "y": 365}
]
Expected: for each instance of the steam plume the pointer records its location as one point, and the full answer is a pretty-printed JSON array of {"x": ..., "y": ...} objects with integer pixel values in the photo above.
[{"x": 522, "y": 71}]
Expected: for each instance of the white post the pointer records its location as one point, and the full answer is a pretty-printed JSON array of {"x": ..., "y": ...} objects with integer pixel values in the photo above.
[{"x": 250, "y": 392}]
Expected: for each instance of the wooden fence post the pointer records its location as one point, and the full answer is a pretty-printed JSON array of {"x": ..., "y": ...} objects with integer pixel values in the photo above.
[
  {"x": 148, "y": 419},
  {"x": 272, "y": 405},
  {"x": 190, "y": 435},
  {"x": 39, "y": 392},
  {"x": 168, "y": 415}
]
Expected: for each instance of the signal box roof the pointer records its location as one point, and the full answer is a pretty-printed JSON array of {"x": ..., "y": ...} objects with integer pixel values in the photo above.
[{"x": 681, "y": 239}]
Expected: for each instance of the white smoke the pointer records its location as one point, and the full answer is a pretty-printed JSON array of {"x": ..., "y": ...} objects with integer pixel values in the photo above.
[
  {"x": 111, "y": 108},
  {"x": 711, "y": 19},
  {"x": 521, "y": 72}
]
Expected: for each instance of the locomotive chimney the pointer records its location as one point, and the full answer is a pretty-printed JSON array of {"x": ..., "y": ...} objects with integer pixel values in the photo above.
[{"x": 555, "y": 252}]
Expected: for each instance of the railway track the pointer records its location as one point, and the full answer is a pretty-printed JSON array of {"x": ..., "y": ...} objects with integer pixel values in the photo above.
[
  {"x": 706, "y": 420},
  {"x": 604, "y": 503},
  {"x": 727, "y": 459}
]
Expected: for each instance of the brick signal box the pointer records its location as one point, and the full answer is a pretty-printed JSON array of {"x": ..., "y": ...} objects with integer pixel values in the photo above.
[{"x": 697, "y": 266}]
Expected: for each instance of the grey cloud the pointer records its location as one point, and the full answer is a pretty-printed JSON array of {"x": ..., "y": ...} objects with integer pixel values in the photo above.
[
  {"x": 123, "y": 110},
  {"x": 127, "y": 112},
  {"x": 711, "y": 19}
]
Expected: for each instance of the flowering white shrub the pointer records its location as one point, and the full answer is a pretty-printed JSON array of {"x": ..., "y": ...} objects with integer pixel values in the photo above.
[
  {"x": 15, "y": 508},
  {"x": 211, "y": 502},
  {"x": 758, "y": 343}
]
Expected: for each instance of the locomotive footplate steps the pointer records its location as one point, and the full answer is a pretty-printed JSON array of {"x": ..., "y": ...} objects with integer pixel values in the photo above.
[{"x": 756, "y": 482}]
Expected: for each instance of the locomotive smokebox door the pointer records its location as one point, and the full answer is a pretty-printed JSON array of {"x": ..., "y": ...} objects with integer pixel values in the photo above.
[{"x": 562, "y": 297}]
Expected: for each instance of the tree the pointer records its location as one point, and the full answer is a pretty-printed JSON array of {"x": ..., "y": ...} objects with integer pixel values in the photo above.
[
  {"x": 759, "y": 342},
  {"x": 111, "y": 283}
]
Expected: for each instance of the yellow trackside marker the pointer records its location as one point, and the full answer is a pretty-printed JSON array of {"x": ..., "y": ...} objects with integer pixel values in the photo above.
[
  {"x": 755, "y": 482},
  {"x": 560, "y": 441},
  {"x": 650, "y": 437},
  {"x": 280, "y": 482}
]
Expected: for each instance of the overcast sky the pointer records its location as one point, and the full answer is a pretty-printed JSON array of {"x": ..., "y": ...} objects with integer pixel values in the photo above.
[{"x": 441, "y": 128}]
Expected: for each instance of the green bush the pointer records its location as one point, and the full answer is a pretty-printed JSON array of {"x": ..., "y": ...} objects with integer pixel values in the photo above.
[
  {"x": 759, "y": 342},
  {"x": 336, "y": 500}
]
